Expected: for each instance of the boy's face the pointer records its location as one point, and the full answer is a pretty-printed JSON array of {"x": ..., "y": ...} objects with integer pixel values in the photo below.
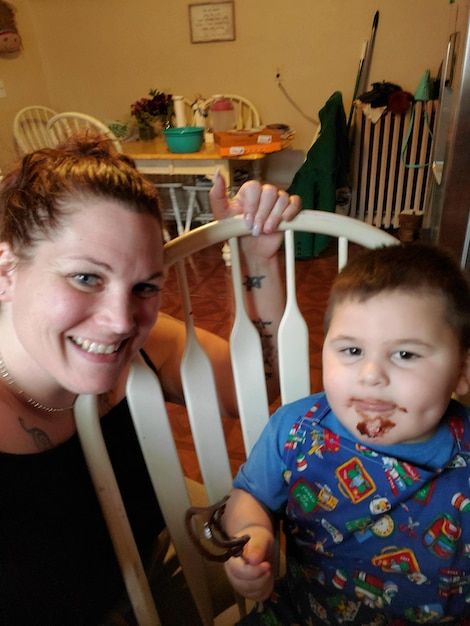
[{"x": 390, "y": 365}]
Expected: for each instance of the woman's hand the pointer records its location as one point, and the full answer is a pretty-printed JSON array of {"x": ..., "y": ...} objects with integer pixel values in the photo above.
[{"x": 263, "y": 207}]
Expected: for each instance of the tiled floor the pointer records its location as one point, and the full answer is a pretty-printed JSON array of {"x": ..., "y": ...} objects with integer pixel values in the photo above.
[{"x": 210, "y": 282}]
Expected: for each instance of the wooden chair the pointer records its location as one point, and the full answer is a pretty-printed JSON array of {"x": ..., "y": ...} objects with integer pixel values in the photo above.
[
  {"x": 62, "y": 125},
  {"x": 30, "y": 128},
  {"x": 246, "y": 114},
  {"x": 65, "y": 124},
  {"x": 247, "y": 117},
  {"x": 150, "y": 417},
  {"x": 190, "y": 117},
  {"x": 178, "y": 209}
]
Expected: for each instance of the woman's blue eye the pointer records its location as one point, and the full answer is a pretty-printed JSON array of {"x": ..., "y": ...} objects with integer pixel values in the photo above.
[{"x": 89, "y": 280}]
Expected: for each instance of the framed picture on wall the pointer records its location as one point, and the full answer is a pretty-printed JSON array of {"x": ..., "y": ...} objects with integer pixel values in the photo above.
[{"x": 212, "y": 21}]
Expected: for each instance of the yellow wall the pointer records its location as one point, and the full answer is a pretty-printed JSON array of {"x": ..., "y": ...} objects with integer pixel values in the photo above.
[
  {"x": 98, "y": 56},
  {"x": 23, "y": 77}
]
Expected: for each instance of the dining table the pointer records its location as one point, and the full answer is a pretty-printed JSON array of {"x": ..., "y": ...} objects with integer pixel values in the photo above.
[{"x": 153, "y": 157}]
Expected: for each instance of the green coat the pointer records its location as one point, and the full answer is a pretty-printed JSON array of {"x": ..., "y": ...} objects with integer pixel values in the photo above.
[{"x": 324, "y": 170}]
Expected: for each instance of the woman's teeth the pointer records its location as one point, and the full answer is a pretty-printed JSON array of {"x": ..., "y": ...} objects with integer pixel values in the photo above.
[{"x": 94, "y": 347}]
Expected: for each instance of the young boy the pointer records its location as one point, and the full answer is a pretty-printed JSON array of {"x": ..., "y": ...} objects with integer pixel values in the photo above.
[{"x": 371, "y": 478}]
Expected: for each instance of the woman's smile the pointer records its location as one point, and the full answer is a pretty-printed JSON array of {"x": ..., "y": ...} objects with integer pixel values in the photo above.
[{"x": 96, "y": 347}]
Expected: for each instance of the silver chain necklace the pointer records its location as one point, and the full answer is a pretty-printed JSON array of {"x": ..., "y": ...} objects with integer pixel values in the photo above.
[{"x": 31, "y": 401}]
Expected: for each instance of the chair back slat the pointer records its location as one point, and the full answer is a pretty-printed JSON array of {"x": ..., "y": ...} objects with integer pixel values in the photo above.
[
  {"x": 202, "y": 404},
  {"x": 107, "y": 490},
  {"x": 293, "y": 338},
  {"x": 153, "y": 428},
  {"x": 343, "y": 252},
  {"x": 247, "y": 362}
]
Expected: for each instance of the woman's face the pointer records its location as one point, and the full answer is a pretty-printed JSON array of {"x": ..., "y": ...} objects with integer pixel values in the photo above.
[{"x": 86, "y": 301}]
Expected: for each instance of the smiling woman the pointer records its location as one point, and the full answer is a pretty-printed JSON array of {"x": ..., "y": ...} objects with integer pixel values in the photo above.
[
  {"x": 103, "y": 291},
  {"x": 81, "y": 274}
]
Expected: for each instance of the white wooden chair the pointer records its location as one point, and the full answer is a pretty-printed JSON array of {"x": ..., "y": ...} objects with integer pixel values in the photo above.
[
  {"x": 176, "y": 197},
  {"x": 65, "y": 124},
  {"x": 247, "y": 117},
  {"x": 30, "y": 128},
  {"x": 246, "y": 114},
  {"x": 148, "y": 408},
  {"x": 62, "y": 125},
  {"x": 190, "y": 117}
]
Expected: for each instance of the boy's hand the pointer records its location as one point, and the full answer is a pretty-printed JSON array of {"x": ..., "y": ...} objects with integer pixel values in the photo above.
[{"x": 251, "y": 574}]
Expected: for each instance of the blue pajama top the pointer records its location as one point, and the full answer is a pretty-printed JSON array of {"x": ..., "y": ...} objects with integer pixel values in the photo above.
[{"x": 372, "y": 532}]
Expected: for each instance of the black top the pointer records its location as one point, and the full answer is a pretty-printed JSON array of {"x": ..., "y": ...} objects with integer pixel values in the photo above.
[{"x": 57, "y": 564}]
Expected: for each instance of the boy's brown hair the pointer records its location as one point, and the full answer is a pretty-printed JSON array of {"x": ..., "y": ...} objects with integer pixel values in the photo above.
[{"x": 417, "y": 268}]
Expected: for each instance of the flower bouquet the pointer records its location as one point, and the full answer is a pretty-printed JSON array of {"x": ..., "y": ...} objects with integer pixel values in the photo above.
[{"x": 152, "y": 114}]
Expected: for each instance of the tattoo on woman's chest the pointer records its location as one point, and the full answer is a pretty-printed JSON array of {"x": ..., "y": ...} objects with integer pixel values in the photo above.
[{"x": 40, "y": 438}]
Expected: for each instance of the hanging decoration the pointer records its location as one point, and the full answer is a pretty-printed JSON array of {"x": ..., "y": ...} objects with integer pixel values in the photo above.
[{"x": 10, "y": 40}]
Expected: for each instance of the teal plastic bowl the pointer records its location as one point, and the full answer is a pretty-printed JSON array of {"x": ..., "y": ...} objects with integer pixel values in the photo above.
[{"x": 185, "y": 139}]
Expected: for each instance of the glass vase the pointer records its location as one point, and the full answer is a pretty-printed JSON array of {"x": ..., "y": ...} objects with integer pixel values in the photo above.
[
  {"x": 146, "y": 132},
  {"x": 160, "y": 123}
]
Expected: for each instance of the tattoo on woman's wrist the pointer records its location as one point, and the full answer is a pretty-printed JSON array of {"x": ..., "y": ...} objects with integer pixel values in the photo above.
[
  {"x": 253, "y": 282},
  {"x": 266, "y": 341}
]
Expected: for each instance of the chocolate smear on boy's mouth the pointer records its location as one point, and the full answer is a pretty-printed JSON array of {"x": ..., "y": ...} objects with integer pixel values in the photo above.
[
  {"x": 375, "y": 426},
  {"x": 375, "y": 416}
]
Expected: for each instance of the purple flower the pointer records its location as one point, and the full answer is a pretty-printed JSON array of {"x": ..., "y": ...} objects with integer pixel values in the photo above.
[{"x": 147, "y": 109}]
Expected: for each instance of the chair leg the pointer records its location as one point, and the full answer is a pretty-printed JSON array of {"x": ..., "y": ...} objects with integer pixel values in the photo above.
[
  {"x": 172, "y": 187},
  {"x": 193, "y": 210},
  {"x": 192, "y": 203},
  {"x": 176, "y": 211}
]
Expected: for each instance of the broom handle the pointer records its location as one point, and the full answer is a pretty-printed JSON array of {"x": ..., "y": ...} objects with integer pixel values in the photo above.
[
  {"x": 363, "y": 72},
  {"x": 358, "y": 79},
  {"x": 364, "y": 78}
]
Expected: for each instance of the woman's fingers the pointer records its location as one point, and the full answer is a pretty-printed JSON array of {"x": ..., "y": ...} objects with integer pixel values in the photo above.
[
  {"x": 284, "y": 208},
  {"x": 218, "y": 197},
  {"x": 263, "y": 206}
]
